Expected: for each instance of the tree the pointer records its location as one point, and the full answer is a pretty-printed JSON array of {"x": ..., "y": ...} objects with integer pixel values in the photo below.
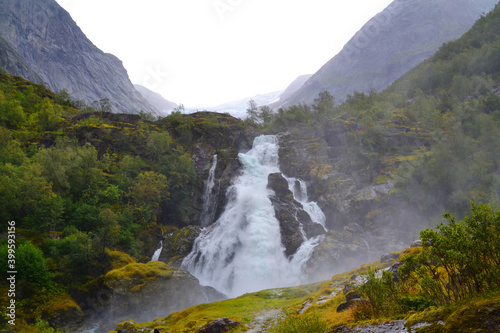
[
  {"x": 265, "y": 114},
  {"x": 48, "y": 117},
  {"x": 252, "y": 111},
  {"x": 158, "y": 144},
  {"x": 107, "y": 233},
  {"x": 150, "y": 190},
  {"x": 324, "y": 104},
  {"x": 31, "y": 264}
]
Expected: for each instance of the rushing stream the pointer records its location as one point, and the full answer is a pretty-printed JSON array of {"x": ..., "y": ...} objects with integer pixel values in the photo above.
[{"x": 242, "y": 251}]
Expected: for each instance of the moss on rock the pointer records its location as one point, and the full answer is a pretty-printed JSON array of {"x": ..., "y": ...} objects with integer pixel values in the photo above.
[{"x": 132, "y": 277}]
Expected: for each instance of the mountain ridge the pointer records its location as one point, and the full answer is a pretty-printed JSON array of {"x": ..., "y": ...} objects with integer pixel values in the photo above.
[
  {"x": 41, "y": 42},
  {"x": 390, "y": 44}
]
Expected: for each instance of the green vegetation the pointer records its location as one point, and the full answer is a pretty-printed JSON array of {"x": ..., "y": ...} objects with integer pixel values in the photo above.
[
  {"x": 88, "y": 189},
  {"x": 458, "y": 262},
  {"x": 310, "y": 322},
  {"x": 85, "y": 188}
]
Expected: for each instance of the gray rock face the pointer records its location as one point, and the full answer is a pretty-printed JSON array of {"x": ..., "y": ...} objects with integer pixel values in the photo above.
[
  {"x": 394, "y": 41},
  {"x": 155, "y": 99},
  {"x": 293, "y": 87},
  {"x": 40, "y": 42},
  {"x": 178, "y": 244},
  {"x": 290, "y": 215},
  {"x": 156, "y": 297},
  {"x": 220, "y": 325}
]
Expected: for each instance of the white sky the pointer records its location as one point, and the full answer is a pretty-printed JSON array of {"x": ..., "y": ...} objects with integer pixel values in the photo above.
[{"x": 208, "y": 52}]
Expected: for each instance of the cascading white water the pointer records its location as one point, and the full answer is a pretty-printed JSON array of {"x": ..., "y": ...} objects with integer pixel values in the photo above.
[
  {"x": 368, "y": 249},
  {"x": 242, "y": 251},
  {"x": 208, "y": 211},
  {"x": 157, "y": 253},
  {"x": 311, "y": 207}
]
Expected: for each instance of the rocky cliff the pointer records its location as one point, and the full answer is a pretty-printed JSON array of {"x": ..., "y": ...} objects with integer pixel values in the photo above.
[
  {"x": 155, "y": 99},
  {"x": 353, "y": 189},
  {"x": 144, "y": 292},
  {"x": 40, "y": 42},
  {"x": 390, "y": 44}
]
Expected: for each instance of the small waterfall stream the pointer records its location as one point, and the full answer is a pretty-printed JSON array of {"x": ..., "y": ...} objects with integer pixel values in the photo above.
[
  {"x": 242, "y": 251},
  {"x": 299, "y": 189},
  {"x": 209, "y": 197},
  {"x": 157, "y": 253},
  {"x": 368, "y": 249}
]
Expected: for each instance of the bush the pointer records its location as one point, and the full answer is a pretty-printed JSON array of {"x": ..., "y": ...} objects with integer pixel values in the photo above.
[
  {"x": 459, "y": 259},
  {"x": 31, "y": 264}
]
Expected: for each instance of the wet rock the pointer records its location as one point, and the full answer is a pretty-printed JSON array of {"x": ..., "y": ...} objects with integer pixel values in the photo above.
[
  {"x": 153, "y": 290},
  {"x": 416, "y": 243},
  {"x": 348, "y": 288},
  {"x": 290, "y": 215},
  {"x": 344, "y": 306},
  {"x": 395, "y": 272},
  {"x": 220, "y": 325},
  {"x": 352, "y": 295},
  {"x": 178, "y": 244},
  {"x": 389, "y": 257}
]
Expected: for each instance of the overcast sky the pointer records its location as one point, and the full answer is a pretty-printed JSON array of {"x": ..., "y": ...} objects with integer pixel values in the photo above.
[{"x": 207, "y": 52}]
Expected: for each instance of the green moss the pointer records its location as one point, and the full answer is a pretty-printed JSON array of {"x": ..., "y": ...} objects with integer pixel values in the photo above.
[
  {"x": 60, "y": 305},
  {"x": 134, "y": 276},
  {"x": 119, "y": 259}
]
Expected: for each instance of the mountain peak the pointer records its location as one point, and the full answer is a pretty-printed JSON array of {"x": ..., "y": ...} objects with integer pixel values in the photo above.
[
  {"x": 391, "y": 43},
  {"x": 40, "y": 42}
]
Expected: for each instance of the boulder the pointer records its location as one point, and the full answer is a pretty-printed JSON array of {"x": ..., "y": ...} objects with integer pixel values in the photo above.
[
  {"x": 417, "y": 243},
  {"x": 395, "y": 272},
  {"x": 348, "y": 288},
  {"x": 152, "y": 290},
  {"x": 352, "y": 295},
  {"x": 220, "y": 325},
  {"x": 389, "y": 257},
  {"x": 351, "y": 303}
]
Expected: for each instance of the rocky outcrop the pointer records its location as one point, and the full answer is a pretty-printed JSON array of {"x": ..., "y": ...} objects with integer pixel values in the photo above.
[
  {"x": 220, "y": 325},
  {"x": 40, "y": 42},
  {"x": 143, "y": 292},
  {"x": 212, "y": 133},
  {"x": 291, "y": 215},
  {"x": 354, "y": 189},
  {"x": 178, "y": 244},
  {"x": 390, "y": 44}
]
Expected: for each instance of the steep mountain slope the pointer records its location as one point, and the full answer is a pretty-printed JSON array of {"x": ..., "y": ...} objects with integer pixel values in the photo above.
[
  {"x": 40, "y": 42},
  {"x": 391, "y": 43},
  {"x": 157, "y": 100},
  {"x": 293, "y": 87},
  {"x": 384, "y": 165}
]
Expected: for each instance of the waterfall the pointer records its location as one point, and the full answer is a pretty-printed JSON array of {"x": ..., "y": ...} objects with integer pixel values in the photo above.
[
  {"x": 368, "y": 249},
  {"x": 209, "y": 198},
  {"x": 157, "y": 253},
  {"x": 242, "y": 251},
  {"x": 299, "y": 189}
]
